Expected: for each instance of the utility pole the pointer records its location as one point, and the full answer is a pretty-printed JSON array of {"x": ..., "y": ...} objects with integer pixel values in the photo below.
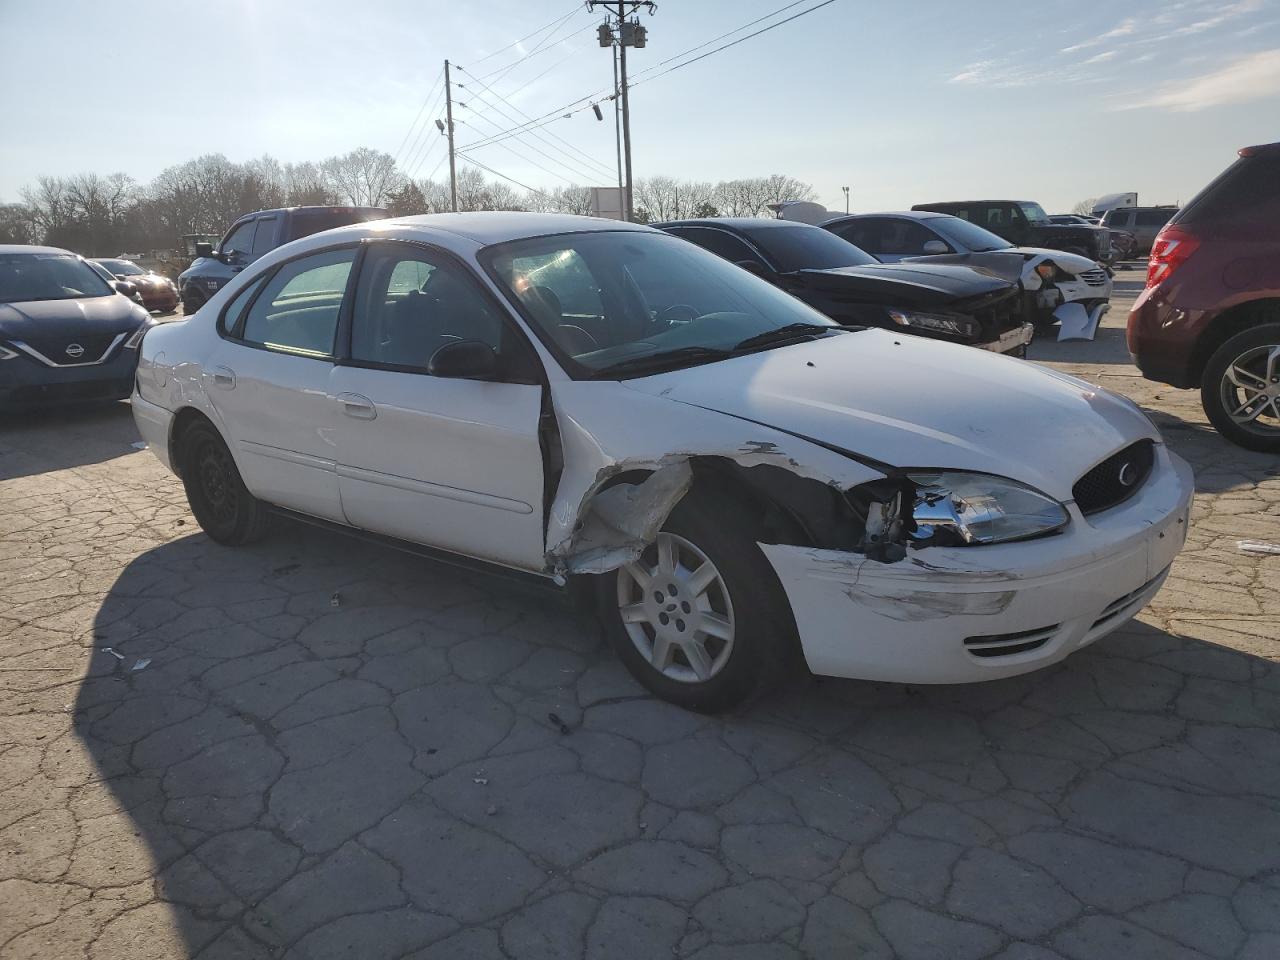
[
  {"x": 617, "y": 135},
  {"x": 448, "y": 112},
  {"x": 629, "y": 34}
]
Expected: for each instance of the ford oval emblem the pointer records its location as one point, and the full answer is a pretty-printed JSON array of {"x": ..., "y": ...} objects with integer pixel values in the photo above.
[
  {"x": 74, "y": 350},
  {"x": 1128, "y": 476}
]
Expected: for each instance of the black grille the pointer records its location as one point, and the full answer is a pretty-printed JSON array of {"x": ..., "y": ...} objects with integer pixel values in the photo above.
[
  {"x": 1007, "y": 644},
  {"x": 55, "y": 348},
  {"x": 1115, "y": 479}
]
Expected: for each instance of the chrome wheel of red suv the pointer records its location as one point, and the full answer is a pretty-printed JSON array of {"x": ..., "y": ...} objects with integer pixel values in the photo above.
[{"x": 1241, "y": 388}]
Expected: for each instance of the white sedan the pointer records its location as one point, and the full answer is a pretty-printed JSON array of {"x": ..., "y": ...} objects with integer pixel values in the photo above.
[{"x": 735, "y": 476}]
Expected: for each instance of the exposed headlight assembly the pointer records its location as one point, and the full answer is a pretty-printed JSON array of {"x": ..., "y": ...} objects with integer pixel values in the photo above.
[
  {"x": 941, "y": 322},
  {"x": 966, "y": 509}
]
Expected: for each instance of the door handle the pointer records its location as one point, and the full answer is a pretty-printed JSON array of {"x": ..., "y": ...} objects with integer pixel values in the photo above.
[
  {"x": 224, "y": 377},
  {"x": 358, "y": 406}
]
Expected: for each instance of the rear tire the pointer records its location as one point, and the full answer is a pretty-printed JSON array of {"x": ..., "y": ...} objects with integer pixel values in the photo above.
[
  {"x": 700, "y": 619},
  {"x": 1240, "y": 389},
  {"x": 222, "y": 505}
]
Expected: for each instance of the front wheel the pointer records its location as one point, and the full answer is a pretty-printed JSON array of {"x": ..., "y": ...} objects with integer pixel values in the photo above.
[
  {"x": 699, "y": 618},
  {"x": 1240, "y": 389},
  {"x": 222, "y": 505}
]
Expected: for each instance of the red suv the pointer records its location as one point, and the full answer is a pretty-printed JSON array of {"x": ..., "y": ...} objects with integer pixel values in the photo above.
[{"x": 1210, "y": 315}]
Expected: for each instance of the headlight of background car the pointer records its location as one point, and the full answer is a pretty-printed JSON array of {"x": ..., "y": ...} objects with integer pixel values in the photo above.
[
  {"x": 958, "y": 509},
  {"x": 943, "y": 323},
  {"x": 136, "y": 339}
]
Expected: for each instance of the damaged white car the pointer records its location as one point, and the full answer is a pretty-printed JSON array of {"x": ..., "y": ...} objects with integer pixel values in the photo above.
[{"x": 735, "y": 477}]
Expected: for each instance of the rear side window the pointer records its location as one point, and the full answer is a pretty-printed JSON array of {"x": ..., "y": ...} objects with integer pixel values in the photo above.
[
  {"x": 297, "y": 311},
  {"x": 265, "y": 238},
  {"x": 303, "y": 223},
  {"x": 1154, "y": 218},
  {"x": 1248, "y": 190},
  {"x": 231, "y": 315},
  {"x": 861, "y": 233},
  {"x": 721, "y": 243}
]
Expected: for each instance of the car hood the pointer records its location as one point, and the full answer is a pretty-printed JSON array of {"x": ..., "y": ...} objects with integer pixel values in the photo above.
[
  {"x": 1011, "y": 263},
  {"x": 908, "y": 285},
  {"x": 53, "y": 318},
  {"x": 911, "y": 402}
]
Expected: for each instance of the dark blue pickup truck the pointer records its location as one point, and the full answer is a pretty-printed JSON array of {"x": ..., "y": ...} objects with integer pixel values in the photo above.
[{"x": 253, "y": 235}]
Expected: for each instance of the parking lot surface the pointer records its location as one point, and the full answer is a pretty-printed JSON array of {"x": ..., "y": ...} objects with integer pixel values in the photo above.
[{"x": 316, "y": 748}]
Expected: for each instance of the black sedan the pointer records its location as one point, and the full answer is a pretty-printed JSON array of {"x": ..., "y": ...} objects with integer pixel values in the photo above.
[
  {"x": 66, "y": 335},
  {"x": 960, "y": 304}
]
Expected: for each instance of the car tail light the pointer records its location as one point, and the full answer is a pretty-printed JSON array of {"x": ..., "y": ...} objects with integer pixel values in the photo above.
[{"x": 1171, "y": 249}]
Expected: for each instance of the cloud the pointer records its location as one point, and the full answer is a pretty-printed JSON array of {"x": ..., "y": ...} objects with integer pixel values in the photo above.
[
  {"x": 1250, "y": 78},
  {"x": 1100, "y": 57},
  {"x": 1222, "y": 16},
  {"x": 1123, "y": 29}
]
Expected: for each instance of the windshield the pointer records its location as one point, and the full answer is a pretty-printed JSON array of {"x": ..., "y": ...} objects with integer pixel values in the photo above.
[
  {"x": 123, "y": 268},
  {"x": 606, "y": 298},
  {"x": 48, "y": 276},
  {"x": 967, "y": 236},
  {"x": 802, "y": 247},
  {"x": 1033, "y": 212}
]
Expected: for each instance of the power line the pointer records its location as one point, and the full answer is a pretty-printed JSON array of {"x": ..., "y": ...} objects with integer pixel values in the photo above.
[
  {"x": 545, "y": 44},
  {"x": 734, "y": 43},
  {"x": 571, "y": 151},
  {"x": 514, "y": 43},
  {"x": 423, "y": 145},
  {"x": 430, "y": 92},
  {"x": 535, "y": 163},
  {"x": 475, "y": 162}
]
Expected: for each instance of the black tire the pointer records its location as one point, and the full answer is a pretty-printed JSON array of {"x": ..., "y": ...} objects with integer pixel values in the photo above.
[
  {"x": 1247, "y": 350},
  {"x": 192, "y": 300},
  {"x": 764, "y": 633},
  {"x": 223, "y": 507}
]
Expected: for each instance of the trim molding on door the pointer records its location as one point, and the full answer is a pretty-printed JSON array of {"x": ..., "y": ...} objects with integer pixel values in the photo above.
[
  {"x": 433, "y": 489},
  {"x": 288, "y": 456}
]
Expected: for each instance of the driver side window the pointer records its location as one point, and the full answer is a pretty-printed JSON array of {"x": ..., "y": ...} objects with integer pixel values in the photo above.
[{"x": 240, "y": 239}]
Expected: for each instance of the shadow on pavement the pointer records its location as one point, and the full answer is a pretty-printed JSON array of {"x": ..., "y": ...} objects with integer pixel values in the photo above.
[
  {"x": 87, "y": 434},
  {"x": 336, "y": 750}
]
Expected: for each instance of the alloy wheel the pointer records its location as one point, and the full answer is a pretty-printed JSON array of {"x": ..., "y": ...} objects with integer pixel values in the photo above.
[
  {"x": 217, "y": 483},
  {"x": 676, "y": 609},
  {"x": 1250, "y": 390}
]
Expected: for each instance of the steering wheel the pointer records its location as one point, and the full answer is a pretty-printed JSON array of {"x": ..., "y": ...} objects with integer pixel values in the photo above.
[{"x": 669, "y": 315}]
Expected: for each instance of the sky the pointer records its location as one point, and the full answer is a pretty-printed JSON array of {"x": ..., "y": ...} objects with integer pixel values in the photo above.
[{"x": 902, "y": 102}]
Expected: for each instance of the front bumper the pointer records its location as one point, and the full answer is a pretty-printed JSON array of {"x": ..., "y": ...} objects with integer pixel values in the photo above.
[
  {"x": 959, "y": 615},
  {"x": 26, "y": 382},
  {"x": 1010, "y": 341}
]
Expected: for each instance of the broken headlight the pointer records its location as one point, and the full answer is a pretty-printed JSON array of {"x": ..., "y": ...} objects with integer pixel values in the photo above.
[
  {"x": 957, "y": 509},
  {"x": 954, "y": 324}
]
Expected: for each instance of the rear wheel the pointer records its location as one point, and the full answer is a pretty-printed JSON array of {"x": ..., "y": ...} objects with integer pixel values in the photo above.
[
  {"x": 222, "y": 505},
  {"x": 1240, "y": 389},
  {"x": 700, "y": 618}
]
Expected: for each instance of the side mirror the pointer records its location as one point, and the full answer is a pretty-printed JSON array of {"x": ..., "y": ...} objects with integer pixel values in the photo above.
[
  {"x": 753, "y": 266},
  {"x": 933, "y": 248},
  {"x": 204, "y": 249},
  {"x": 464, "y": 360},
  {"x": 125, "y": 287}
]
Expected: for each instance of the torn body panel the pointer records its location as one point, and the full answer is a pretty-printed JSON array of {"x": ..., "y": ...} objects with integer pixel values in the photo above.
[
  {"x": 949, "y": 614},
  {"x": 597, "y": 523}
]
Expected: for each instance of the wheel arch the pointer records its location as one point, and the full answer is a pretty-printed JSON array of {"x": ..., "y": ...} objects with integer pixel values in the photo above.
[
  {"x": 1226, "y": 325},
  {"x": 183, "y": 421}
]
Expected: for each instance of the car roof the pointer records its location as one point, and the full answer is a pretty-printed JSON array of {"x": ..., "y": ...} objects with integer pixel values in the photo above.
[
  {"x": 961, "y": 203},
  {"x": 498, "y": 226},
  {"x": 1261, "y": 150},
  {"x": 733, "y": 223},
  {"x": 904, "y": 214},
  {"x": 327, "y": 207},
  {"x": 11, "y": 248}
]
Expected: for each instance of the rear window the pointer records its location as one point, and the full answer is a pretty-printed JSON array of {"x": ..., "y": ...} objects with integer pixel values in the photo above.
[
  {"x": 1247, "y": 190},
  {"x": 306, "y": 222}
]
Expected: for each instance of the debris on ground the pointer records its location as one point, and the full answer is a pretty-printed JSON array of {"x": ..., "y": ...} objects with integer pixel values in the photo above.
[
  {"x": 335, "y": 600},
  {"x": 114, "y": 653},
  {"x": 1258, "y": 546},
  {"x": 559, "y": 724},
  {"x": 140, "y": 664}
]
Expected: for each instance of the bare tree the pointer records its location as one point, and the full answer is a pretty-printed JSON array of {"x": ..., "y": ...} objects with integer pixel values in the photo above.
[
  {"x": 1085, "y": 207},
  {"x": 17, "y": 224},
  {"x": 364, "y": 177},
  {"x": 665, "y": 198},
  {"x": 306, "y": 185}
]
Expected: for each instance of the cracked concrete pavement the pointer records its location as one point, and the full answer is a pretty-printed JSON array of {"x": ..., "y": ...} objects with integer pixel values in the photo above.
[{"x": 382, "y": 778}]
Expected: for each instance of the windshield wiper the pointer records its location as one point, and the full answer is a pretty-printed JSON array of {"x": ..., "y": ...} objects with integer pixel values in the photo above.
[
  {"x": 785, "y": 334},
  {"x": 664, "y": 359}
]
